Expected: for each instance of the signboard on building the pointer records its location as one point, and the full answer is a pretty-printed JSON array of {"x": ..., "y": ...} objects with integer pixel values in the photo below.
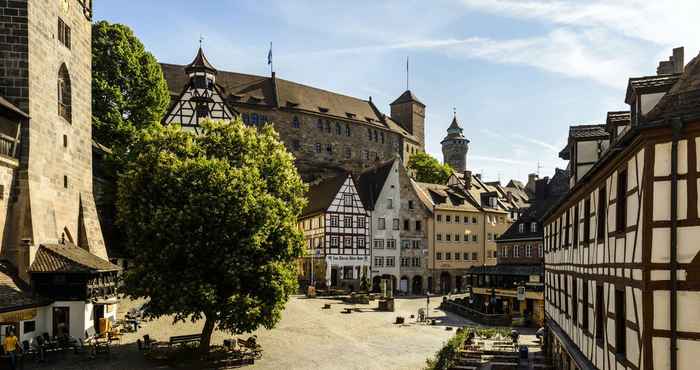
[
  {"x": 17, "y": 316},
  {"x": 521, "y": 293},
  {"x": 534, "y": 278}
]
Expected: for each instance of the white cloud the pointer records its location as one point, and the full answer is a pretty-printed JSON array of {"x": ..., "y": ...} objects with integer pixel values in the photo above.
[
  {"x": 541, "y": 143},
  {"x": 485, "y": 158}
]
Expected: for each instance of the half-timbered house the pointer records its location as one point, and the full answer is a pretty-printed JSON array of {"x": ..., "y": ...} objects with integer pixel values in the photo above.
[
  {"x": 621, "y": 249},
  {"x": 336, "y": 227}
]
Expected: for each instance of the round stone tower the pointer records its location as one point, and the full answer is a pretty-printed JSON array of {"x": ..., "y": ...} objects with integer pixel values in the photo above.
[{"x": 455, "y": 147}]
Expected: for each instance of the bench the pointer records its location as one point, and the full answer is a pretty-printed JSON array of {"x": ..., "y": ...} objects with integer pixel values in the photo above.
[
  {"x": 251, "y": 346},
  {"x": 184, "y": 339},
  {"x": 347, "y": 310}
]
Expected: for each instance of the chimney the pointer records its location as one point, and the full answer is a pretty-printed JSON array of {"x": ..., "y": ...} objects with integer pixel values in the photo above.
[
  {"x": 531, "y": 180},
  {"x": 674, "y": 64},
  {"x": 541, "y": 190},
  {"x": 467, "y": 179}
]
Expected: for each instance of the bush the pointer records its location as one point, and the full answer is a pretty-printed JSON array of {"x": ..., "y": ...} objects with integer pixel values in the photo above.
[{"x": 445, "y": 357}]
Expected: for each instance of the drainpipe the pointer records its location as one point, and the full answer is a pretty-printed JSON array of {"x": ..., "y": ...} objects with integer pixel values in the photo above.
[
  {"x": 434, "y": 247},
  {"x": 676, "y": 127}
]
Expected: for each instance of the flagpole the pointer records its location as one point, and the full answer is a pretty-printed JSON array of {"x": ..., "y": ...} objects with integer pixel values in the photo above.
[{"x": 271, "y": 65}]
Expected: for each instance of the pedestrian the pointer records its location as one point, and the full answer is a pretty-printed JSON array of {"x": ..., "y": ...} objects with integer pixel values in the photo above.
[{"x": 11, "y": 347}]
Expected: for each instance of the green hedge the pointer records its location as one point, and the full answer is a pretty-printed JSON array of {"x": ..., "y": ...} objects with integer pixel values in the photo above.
[{"x": 445, "y": 357}]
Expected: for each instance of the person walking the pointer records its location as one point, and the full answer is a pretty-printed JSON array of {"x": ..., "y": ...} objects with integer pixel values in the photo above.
[{"x": 11, "y": 346}]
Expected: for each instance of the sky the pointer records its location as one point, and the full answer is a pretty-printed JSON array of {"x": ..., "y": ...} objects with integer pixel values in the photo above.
[{"x": 518, "y": 73}]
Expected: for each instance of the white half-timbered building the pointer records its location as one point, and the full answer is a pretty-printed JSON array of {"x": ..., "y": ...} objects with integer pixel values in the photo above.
[
  {"x": 336, "y": 227},
  {"x": 622, "y": 268},
  {"x": 200, "y": 98}
]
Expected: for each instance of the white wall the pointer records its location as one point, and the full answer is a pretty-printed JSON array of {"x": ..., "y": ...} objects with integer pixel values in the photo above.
[{"x": 391, "y": 190}]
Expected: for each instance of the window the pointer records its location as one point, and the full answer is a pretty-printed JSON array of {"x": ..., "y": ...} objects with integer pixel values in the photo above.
[
  {"x": 456, "y": 256},
  {"x": 438, "y": 256},
  {"x": 587, "y": 220},
  {"x": 475, "y": 238},
  {"x": 448, "y": 237},
  {"x": 448, "y": 218},
  {"x": 456, "y": 237},
  {"x": 439, "y": 236},
  {"x": 64, "y": 93},
  {"x": 382, "y": 137},
  {"x": 621, "y": 202},
  {"x": 416, "y": 262},
  {"x": 296, "y": 145},
  {"x": 406, "y": 225},
  {"x": 347, "y": 221},
  {"x": 379, "y": 261},
  {"x": 63, "y": 33},
  {"x": 65, "y": 181},
  {"x": 328, "y": 126},
  {"x": 466, "y": 219},
  {"x": 389, "y": 203},
  {"x": 246, "y": 118},
  {"x": 475, "y": 256},
  {"x": 567, "y": 232},
  {"x": 410, "y": 204},
  {"x": 575, "y": 227},
  {"x": 378, "y": 243},
  {"x": 584, "y": 311},
  {"x": 474, "y": 221},
  {"x": 347, "y": 242},
  {"x": 329, "y": 148},
  {"x": 566, "y": 295},
  {"x": 338, "y": 129},
  {"x": 347, "y": 200},
  {"x": 574, "y": 301},
  {"x": 416, "y": 244},
  {"x": 405, "y": 244},
  {"x": 361, "y": 223},
  {"x": 457, "y": 219},
  {"x": 521, "y": 228},
  {"x": 376, "y": 135},
  {"x": 319, "y": 125},
  {"x": 361, "y": 242},
  {"x": 335, "y": 242},
  {"x": 390, "y": 261},
  {"x": 533, "y": 227},
  {"x": 599, "y": 317},
  {"x": 335, "y": 221},
  {"x": 516, "y": 251},
  {"x": 348, "y": 152},
  {"x": 489, "y": 236},
  {"x": 439, "y": 218},
  {"x": 601, "y": 212},
  {"x": 418, "y": 225},
  {"x": 365, "y": 154},
  {"x": 528, "y": 250},
  {"x": 254, "y": 119},
  {"x": 620, "y": 322},
  {"x": 65, "y": 141},
  {"x": 390, "y": 244},
  {"x": 348, "y": 131},
  {"x": 28, "y": 327},
  {"x": 404, "y": 261},
  {"x": 369, "y": 134},
  {"x": 466, "y": 256},
  {"x": 448, "y": 256},
  {"x": 381, "y": 224},
  {"x": 318, "y": 148},
  {"x": 395, "y": 224}
]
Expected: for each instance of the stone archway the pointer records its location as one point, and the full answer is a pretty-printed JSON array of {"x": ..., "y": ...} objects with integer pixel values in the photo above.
[{"x": 403, "y": 285}]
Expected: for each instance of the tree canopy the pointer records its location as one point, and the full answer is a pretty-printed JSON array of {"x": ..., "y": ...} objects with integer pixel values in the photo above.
[
  {"x": 128, "y": 88},
  {"x": 428, "y": 169},
  {"x": 211, "y": 221}
]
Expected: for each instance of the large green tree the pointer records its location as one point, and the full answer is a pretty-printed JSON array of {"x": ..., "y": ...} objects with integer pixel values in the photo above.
[
  {"x": 211, "y": 221},
  {"x": 428, "y": 169},
  {"x": 128, "y": 88}
]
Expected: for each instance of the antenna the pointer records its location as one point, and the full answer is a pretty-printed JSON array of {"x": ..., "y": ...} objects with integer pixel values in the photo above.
[
  {"x": 407, "y": 74},
  {"x": 539, "y": 166},
  {"x": 201, "y": 39}
]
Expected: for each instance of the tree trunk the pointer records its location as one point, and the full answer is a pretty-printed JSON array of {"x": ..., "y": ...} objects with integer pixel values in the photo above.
[{"x": 206, "y": 334}]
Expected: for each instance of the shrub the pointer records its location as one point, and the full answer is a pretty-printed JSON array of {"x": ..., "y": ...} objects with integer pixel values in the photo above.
[{"x": 445, "y": 357}]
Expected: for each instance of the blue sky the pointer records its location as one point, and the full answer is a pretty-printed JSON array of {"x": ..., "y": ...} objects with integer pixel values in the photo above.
[{"x": 518, "y": 72}]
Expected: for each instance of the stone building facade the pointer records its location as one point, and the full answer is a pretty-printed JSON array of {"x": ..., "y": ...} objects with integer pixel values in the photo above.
[
  {"x": 327, "y": 132},
  {"x": 415, "y": 237},
  {"x": 455, "y": 147}
]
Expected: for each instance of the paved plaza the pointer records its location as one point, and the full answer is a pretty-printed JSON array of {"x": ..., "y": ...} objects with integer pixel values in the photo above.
[{"x": 309, "y": 337}]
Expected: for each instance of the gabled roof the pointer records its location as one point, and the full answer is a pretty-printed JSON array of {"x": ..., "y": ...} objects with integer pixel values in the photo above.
[
  {"x": 407, "y": 97},
  {"x": 371, "y": 182},
  {"x": 14, "y": 294},
  {"x": 683, "y": 97},
  {"x": 8, "y": 108},
  {"x": 446, "y": 197},
  {"x": 618, "y": 118},
  {"x": 588, "y": 132},
  {"x": 200, "y": 62},
  {"x": 68, "y": 258},
  {"x": 321, "y": 195}
]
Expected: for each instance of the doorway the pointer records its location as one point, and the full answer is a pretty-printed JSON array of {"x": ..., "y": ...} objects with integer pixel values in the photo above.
[
  {"x": 417, "y": 285},
  {"x": 98, "y": 312},
  {"x": 334, "y": 276},
  {"x": 61, "y": 321}
]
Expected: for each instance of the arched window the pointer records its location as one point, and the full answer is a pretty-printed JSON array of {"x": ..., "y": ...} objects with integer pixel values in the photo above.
[{"x": 64, "y": 95}]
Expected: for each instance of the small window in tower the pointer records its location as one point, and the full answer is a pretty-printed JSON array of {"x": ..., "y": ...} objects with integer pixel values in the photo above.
[
  {"x": 318, "y": 148},
  {"x": 63, "y": 33},
  {"x": 329, "y": 148},
  {"x": 348, "y": 132},
  {"x": 202, "y": 110},
  {"x": 199, "y": 82},
  {"x": 65, "y": 141},
  {"x": 65, "y": 181},
  {"x": 319, "y": 124},
  {"x": 338, "y": 129},
  {"x": 295, "y": 122},
  {"x": 64, "y": 93}
]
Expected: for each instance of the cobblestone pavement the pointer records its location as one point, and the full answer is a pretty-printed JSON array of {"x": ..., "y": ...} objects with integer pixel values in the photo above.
[{"x": 307, "y": 337}]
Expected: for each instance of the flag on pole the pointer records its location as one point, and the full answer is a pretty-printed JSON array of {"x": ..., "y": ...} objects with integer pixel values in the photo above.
[{"x": 269, "y": 55}]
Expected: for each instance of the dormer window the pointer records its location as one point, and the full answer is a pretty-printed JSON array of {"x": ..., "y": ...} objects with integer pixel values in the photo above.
[
  {"x": 323, "y": 109},
  {"x": 533, "y": 227},
  {"x": 521, "y": 228},
  {"x": 493, "y": 201}
]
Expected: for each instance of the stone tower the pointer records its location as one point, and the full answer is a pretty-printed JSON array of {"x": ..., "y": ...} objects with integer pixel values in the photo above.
[
  {"x": 47, "y": 74},
  {"x": 455, "y": 147},
  {"x": 409, "y": 112}
]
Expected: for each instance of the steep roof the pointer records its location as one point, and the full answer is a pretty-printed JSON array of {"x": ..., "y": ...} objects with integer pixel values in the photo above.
[
  {"x": 200, "y": 62},
  {"x": 588, "y": 132},
  {"x": 321, "y": 195},
  {"x": 683, "y": 97},
  {"x": 371, "y": 182},
  {"x": 444, "y": 196},
  {"x": 14, "y": 294},
  {"x": 618, "y": 118},
  {"x": 649, "y": 84},
  {"x": 68, "y": 258},
  {"x": 407, "y": 97}
]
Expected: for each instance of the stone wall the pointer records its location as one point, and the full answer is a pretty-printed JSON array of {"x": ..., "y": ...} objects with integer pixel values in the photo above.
[{"x": 14, "y": 53}]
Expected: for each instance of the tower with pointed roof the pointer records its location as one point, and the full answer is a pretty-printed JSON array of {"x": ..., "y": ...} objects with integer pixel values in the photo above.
[
  {"x": 409, "y": 112},
  {"x": 455, "y": 146}
]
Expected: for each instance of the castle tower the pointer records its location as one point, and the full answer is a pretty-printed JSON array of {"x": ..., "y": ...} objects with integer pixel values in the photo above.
[
  {"x": 48, "y": 76},
  {"x": 409, "y": 112},
  {"x": 455, "y": 147}
]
